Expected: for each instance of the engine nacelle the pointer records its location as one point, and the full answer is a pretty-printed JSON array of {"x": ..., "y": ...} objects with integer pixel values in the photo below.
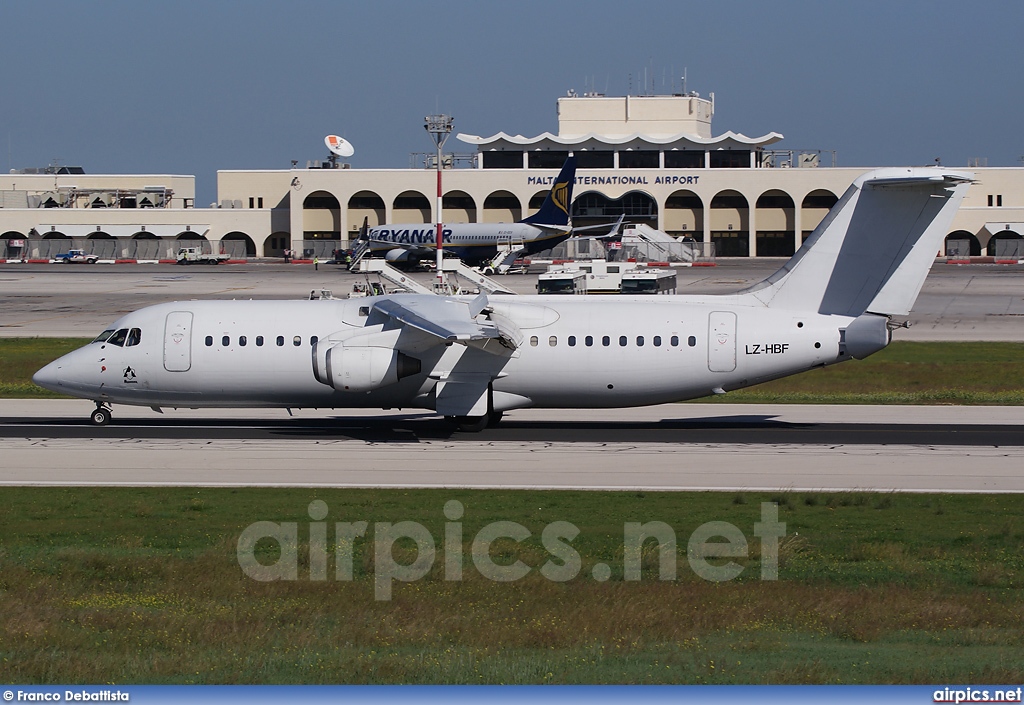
[
  {"x": 364, "y": 368},
  {"x": 397, "y": 255}
]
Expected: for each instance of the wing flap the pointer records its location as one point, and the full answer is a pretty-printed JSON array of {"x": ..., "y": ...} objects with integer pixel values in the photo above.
[{"x": 445, "y": 318}]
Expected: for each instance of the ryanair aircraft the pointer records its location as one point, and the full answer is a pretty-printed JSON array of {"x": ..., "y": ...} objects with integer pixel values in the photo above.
[
  {"x": 472, "y": 359},
  {"x": 479, "y": 243}
]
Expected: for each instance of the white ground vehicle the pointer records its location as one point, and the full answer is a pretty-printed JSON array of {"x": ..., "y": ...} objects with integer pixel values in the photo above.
[
  {"x": 76, "y": 257},
  {"x": 195, "y": 255}
]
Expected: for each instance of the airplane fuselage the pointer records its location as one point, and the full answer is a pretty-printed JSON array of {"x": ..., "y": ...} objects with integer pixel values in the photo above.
[
  {"x": 575, "y": 352},
  {"x": 473, "y": 243}
]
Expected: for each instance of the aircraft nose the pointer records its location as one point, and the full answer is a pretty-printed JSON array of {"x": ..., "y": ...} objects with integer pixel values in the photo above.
[{"x": 50, "y": 377}]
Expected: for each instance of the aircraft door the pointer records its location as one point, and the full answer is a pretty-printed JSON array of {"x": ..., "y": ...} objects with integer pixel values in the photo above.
[
  {"x": 178, "y": 341},
  {"x": 722, "y": 341}
]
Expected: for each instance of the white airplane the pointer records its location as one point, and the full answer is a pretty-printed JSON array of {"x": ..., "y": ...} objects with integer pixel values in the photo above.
[
  {"x": 479, "y": 243},
  {"x": 472, "y": 359}
]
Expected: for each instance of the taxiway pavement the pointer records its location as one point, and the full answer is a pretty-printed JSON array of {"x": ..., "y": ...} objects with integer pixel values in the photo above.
[{"x": 669, "y": 447}]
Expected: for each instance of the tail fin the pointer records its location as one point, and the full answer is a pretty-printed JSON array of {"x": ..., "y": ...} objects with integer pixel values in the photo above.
[
  {"x": 555, "y": 209},
  {"x": 873, "y": 250}
]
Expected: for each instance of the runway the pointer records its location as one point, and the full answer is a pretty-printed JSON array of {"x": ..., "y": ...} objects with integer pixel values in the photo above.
[{"x": 668, "y": 447}]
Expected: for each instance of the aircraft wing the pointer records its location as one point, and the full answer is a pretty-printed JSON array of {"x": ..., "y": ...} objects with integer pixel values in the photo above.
[
  {"x": 613, "y": 232},
  {"x": 448, "y": 319},
  {"x": 398, "y": 245}
]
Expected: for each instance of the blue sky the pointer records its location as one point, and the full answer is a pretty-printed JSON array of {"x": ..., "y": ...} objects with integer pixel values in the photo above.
[{"x": 192, "y": 87}]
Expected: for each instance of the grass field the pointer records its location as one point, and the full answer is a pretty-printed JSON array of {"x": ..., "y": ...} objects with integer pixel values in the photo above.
[
  {"x": 903, "y": 373},
  {"x": 122, "y": 585}
]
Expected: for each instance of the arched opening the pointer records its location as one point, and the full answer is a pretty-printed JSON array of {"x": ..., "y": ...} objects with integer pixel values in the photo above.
[
  {"x": 459, "y": 207},
  {"x": 191, "y": 239},
  {"x": 776, "y": 224},
  {"x": 730, "y": 224},
  {"x": 684, "y": 215},
  {"x": 962, "y": 244},
  {"x": 237, "y": 245},
  {"x": 49, "y": 245},
  {"x": 101, "y": 244},
  {"x": 813, "y": 210},
  {"x": 321, "y": 215},
  {"x": 146, "y": 246},
  {"x": 410, "y": 207},
  {"x": 594, "y": 208},
  {"x": 1006, "y": 245},
  {"x": 502, "y": 207},
  {"x": 276, "y": 244},
  {"x": 536, "y": 201},
  {"x": 12, "y": 245}
]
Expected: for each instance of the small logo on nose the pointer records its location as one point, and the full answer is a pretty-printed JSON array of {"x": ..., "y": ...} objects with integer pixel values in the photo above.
[{"x": 129, "y": 375}]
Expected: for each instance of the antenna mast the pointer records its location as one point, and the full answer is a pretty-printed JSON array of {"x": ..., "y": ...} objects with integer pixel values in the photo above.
[{"x": 439, "y": 127}]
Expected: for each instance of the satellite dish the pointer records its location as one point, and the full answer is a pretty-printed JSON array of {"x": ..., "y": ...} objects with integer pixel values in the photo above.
[{"x": 339, "y": 145}]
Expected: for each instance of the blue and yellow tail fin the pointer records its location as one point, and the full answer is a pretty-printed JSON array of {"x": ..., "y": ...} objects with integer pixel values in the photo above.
[{"x": 555, "y": 209}]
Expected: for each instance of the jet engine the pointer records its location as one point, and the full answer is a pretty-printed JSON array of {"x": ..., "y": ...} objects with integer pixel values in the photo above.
[{"x": 363, "y": 368}]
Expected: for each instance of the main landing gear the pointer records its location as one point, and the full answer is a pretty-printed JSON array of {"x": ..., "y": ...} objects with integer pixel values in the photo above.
[
  {"x": 101, "y": 416},
  {"x": 475, "y": 424}
]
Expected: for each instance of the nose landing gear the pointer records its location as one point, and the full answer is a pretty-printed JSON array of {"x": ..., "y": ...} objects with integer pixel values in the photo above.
[{"x": 101, "y": 416}]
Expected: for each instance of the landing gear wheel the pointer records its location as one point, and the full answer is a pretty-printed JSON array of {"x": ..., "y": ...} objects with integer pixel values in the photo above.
[
  {"x": 472, "y": 424},
  {"x": 101, "y": 416},
  {"x": 493, "y": 418}
]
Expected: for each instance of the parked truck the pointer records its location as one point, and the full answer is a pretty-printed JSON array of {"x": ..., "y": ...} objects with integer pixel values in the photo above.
[
  {"x": 195, "y": 255},
  {"x": 76, "y": 257}
]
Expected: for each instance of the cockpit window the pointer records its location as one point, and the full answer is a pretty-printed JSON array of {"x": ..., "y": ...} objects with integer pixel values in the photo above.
[
  {"x": 118, "y": 338},
  {"x": 134, "y": 337},
  {"x": 104, "y": 335}
]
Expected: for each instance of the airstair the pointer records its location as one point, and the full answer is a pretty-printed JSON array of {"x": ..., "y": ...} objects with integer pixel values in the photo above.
[
  {"x": 390, "y": 274},
  {"x": 405, "y": 282},
  {"x": 643, "y": 242},
  {"x": 482, "y": 281},
  {"x": 361, "y": 249},
  {"x": 509, "y": 249}
]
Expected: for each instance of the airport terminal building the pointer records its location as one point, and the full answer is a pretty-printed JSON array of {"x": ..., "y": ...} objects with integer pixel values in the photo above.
[{"x": 651, "y": 158}]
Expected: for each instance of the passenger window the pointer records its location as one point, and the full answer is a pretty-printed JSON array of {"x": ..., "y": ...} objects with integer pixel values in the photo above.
[
  {"x": 533, "y": 341},
  {"x": 674, "y": 341},
  {"x": 553, "y": 341},
  {"x": 134, "y": 337},
  {"x": 623, "y": 340},
  {"x": 572, "y": 341},
  {"x": 242, "y": 340},
  {"x": 657, "y": 341},
  {"x": 259, "y": 341},
  {"x": 589, "y": 340},
  {"x": 209, "y": 341},
  {"x": 118, "y": 338},
  {"x": 280, "y": 340},
  {"x": 606, "y": 341},
  {"x": 313, "y": 339},
  {"x": 364, "y": 310},
  {"x": 102, "y": 337},
  {"x": 297, "y": 341},
  {"x": 692, "y": 341},
  {"x": 225, "y": 341},
  {"x": 639, "y": 341}
]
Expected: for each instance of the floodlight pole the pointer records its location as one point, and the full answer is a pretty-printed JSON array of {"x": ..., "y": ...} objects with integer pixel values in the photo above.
[{"x": 439, "y": 127}]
